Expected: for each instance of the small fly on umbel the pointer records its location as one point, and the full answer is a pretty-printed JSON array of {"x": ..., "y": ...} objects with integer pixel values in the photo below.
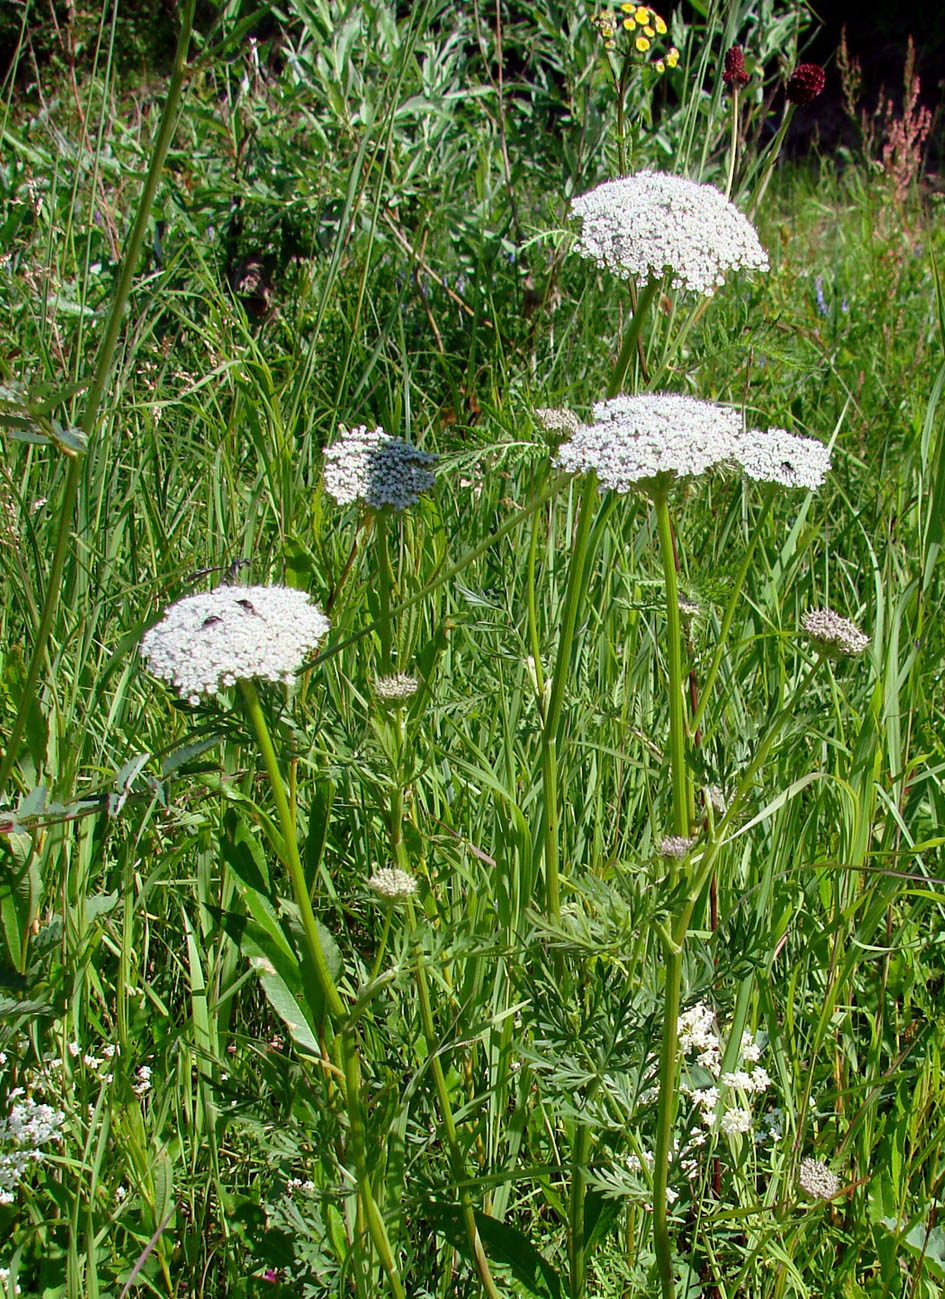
[{"x": 230, "y": 572}]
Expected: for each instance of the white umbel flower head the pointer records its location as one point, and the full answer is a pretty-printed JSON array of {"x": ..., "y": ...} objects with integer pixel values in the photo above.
[
  {"x": 557, "y": 419},
  {"x": 817, "y": 1180},
  {"x": 833, "y": 634},
  {"x": 396, "y": 689},
  {"x": 777, "y": 456},
  {"x": 234, "y": 633},
  {"x": 675, "y": 847},
  {"x": 392, "y": 884},
  {"x": 643, "y": 226},
  {"x": 651, "y": 438},
  {"x": 371, "y": 466}
]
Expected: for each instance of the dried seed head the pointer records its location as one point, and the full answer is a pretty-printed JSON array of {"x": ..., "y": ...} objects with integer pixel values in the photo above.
[
  {"x": 558, "y": 420},
  {"x": 817, "y": 1180},
  {"x": 805, "y": 83},
  {"x": 836, "y": 636}
]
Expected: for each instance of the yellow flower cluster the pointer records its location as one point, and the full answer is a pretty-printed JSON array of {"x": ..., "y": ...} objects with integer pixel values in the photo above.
[{"x": 643, "y": 24}]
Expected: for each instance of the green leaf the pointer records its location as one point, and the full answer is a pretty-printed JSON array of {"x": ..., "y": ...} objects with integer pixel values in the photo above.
[{"x": 503, "y": 1244}]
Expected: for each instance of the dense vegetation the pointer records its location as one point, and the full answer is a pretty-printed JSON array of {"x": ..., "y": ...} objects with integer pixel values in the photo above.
[{"x": 229, "y": 1066}]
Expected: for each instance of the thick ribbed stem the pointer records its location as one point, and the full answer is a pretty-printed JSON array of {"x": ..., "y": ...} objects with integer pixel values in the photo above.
[{"x": 330, "y": 998}]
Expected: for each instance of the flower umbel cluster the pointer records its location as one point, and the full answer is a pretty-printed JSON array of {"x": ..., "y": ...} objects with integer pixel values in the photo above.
[
  {"x": 817, "y": 1180},
  {"x": 646, "y": 441},
  {"x": 208, "y": 641},
  {"x": 637, "y": 439},
  {"x": 396, "y": 689},
  {"x": 836, "y": 636},
  {"x": 651, "y": 224},
  {"x": 392, "y": 884},
  {"x": 699, "y": 1038},
  {"x": 776, "y": 456},
  {"x": 28, "y": 1126},
  {"x": 369, "y": 465}
]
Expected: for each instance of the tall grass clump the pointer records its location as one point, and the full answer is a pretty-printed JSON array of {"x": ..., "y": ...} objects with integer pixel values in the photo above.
[{"x": 470, "y": 666}]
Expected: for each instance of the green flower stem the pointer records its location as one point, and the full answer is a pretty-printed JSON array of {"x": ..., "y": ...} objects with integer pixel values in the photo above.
[
  {"x": 631, "y": 337},
  {"x": 100, "y": 377},
  {"x": 446, "y": 1116},
  {"x": 579, "y": 1156},
  {"x": 448, "y": 574},
  {"x": 673, "y": 944},
  {"x": 677, "y": 729},
  {"x": 733, "y": 153},
  {"x": 730, "y": 607},
  {"x": 384, "y": 585},
  {"x": 576, "y": 588},
  {"x": 328, "y": 991},
  {"x": 769, "y": 160},
  {"x": 534, "y": 640}
]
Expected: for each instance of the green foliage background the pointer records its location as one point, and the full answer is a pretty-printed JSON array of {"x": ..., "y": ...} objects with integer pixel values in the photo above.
[{"x": 365, "y": 220}]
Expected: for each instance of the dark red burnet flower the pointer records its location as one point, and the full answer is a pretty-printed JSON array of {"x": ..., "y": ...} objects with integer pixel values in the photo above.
[
  {"x": 735, "y": 73},
  {"x": 805, "y": 83}
]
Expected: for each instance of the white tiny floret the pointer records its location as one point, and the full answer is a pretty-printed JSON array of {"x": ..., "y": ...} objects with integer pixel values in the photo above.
[
  {"x": 393, "y": 884},
  {"x": 396, "y": 689},
  {"x": 674, "y": 847},
  {"x": 234, "y": 633},
  {"x": 834, "y": 634},
  {"x": 654, "y": 436},
  {"x": 369, "y": 465},
  {"x": 776, "y": 456},
  {"x": 558, "y": 420},
  {"x": 650, "y": 224},
  {"x": 735, "y": 1121},
  {"x": 817, "y": 1180}
]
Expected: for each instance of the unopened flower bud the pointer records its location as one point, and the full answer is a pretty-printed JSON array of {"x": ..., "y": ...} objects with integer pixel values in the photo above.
[{"x": 735, "y": 73}]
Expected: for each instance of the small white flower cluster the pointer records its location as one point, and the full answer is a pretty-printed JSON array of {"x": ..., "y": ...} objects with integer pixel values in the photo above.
[
  {"x": 817, "y": 1179},
  {"x": 371, "y": 466},
  {"x": 392, "y": 884},
  {"x": 698, "y": 1036},
  {"x": 643, "y": 1167},
  {"x": 5, "y": 1279},
  {"x": 637, "y": 442},
  {"x": 142, "y": 1084},
  {"x": 233, "y": 633},
  {"x": 396, "y": 689},
  {"x": 776, "y": 456},
  {"x": 636, "y": 439},
  {"x": 674, "y": 847},
  {"x": 835, "y": 635},
  {"x": 28, "y": 1126},
  {"x": 644, "y": 226},
  {"x": 557, "y": 419}
]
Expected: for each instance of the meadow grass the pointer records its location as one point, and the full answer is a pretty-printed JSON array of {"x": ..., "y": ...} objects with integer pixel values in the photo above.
[{"x": 263, "y": 1075}]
